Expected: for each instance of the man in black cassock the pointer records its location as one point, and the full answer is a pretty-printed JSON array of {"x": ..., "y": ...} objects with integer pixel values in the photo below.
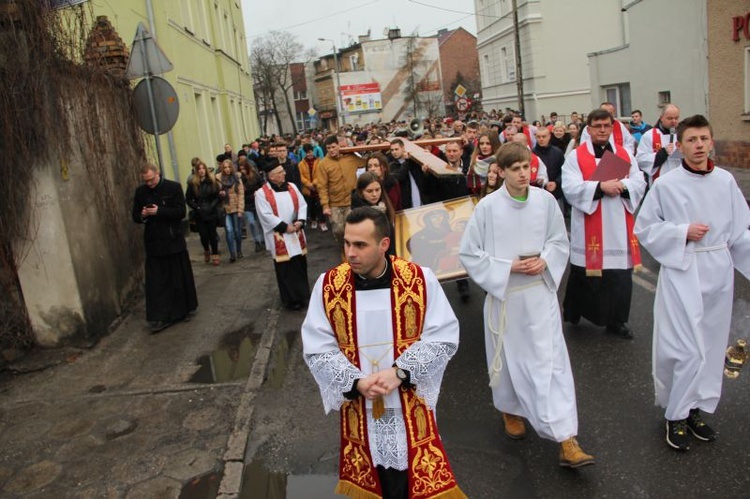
[{"x": 159, "y": 204}]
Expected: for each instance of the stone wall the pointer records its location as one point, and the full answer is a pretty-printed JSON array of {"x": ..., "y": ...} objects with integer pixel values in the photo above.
[{"x": 81, "y": 261}]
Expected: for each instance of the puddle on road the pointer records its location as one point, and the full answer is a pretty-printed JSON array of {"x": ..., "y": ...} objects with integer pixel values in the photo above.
[
  {"x": 259, "y": 483},
  {"x": 202, "y": 487},
  {"x": 231, "y": 361},
  {"x": 280, "y": 359}
]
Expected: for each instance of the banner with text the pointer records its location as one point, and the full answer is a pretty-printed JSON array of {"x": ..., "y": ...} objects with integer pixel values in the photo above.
[{"x": 362, "y": 97}]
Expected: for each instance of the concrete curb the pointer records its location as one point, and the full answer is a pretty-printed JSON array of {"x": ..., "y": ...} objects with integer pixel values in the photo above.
[{"x": 234, "y": 456}]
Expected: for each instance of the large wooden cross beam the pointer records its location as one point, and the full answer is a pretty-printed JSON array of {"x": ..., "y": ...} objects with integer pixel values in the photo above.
[{"x": 416, "y": 151}]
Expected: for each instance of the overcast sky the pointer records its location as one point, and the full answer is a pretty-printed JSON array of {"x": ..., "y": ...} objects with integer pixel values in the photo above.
[{"x": 344, "y": 20}]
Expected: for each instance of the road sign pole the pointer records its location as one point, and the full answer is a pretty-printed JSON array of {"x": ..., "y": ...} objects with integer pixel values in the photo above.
[{"x": 142, "y": 45}]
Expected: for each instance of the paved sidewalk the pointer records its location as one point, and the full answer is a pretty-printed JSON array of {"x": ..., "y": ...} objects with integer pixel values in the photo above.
[{"x": 123, "y": 419}]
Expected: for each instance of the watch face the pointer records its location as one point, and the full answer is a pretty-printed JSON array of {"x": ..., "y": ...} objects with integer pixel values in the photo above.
[{"x": 401, "y": 374}]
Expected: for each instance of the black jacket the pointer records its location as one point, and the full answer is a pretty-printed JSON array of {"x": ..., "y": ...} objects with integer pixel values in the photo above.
[
  {"x": 206, "y": 201},
  {"x": 163, "y": 234}
]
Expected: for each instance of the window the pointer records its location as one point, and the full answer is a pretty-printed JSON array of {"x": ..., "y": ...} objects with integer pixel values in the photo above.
[
  {"x": 187, "y": 16},
  {"x": 300, "y": 120},
  {"x": 619, "y": 95},
  {"x": 485, "y": 70},
  {"x": 302, "y": 95},
  {"x": 354, "y": 62},
  {"x": 665, "y": 97},
  {"x": 747, "y": 80},
  {"x": 508, "y": 64}
]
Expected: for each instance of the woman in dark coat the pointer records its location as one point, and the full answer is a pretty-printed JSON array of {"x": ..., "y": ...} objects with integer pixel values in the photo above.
[{"x": 202, "y": 195}]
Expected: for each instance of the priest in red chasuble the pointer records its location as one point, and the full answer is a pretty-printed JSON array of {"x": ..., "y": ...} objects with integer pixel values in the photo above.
[{"x": 378, "y": 335}]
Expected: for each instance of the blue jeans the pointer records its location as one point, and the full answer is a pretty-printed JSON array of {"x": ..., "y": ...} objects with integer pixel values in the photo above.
[
  {"x": 254, "y": 224},
  {"x": 234, "y": 233}
]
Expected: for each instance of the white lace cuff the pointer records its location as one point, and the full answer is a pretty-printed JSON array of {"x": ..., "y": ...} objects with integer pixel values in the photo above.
[
  {"x": 334, "y": 374},
  {"x": 426, "y": 363}
]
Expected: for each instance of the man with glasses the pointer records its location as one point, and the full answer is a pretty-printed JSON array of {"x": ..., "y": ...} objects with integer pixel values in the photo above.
[
  {"x": 619, "y": 134},
  {"x": 603, "y": 249},
  {"x": 159, "y": 204}
]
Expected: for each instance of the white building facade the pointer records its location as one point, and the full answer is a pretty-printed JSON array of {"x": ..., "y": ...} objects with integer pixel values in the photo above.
[
  {"x": 664, "y": 58},
  {"x": 555, "y": 38}
]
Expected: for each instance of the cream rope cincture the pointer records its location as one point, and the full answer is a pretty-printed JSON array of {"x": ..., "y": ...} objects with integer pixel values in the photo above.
[{"x": 498, "y": 334}]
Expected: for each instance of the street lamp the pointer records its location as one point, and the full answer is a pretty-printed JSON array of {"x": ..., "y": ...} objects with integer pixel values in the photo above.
[{"x": 339, "y": 105}]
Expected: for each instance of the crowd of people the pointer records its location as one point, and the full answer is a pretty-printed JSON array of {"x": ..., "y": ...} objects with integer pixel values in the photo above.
[{"x": 529, "y": 178}]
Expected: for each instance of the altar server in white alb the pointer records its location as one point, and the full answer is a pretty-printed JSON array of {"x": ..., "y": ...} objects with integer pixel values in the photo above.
[
  {"x": 694, "y": 222},
  {"x": 516, "y": 248},
  {"x": 282, "y": 212},
  {"x": 603, "y": 250},
  {"x": 377, "y": 337},
  {"x": 657, "y": 150}
]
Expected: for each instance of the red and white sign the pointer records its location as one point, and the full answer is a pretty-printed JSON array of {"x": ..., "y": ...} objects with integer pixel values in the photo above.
[
  {"x": 462, "y": 104},
  {"x": 362, "y": 97}
]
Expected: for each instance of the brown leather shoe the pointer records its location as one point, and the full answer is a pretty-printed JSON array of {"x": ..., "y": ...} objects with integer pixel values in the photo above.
[
  {"x": 515, "y": 428},
  {"x": 206, "y": 256},
  {"x": 572, "y": 456}
]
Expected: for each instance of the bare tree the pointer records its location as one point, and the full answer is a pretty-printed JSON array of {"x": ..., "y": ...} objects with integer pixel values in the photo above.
[
  {"x": 272, "y": 54},
  {"x": 263, "y": 87}
]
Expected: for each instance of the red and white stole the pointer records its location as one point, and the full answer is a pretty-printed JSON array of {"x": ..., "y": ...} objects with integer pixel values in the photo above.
[
  {"x": 656, "y": 138},
  {"x": 527, "y": 132},
  {"x": 282, "y": 254},
  {"x": 617, "y": 132},
  {"x": 593, "y": 231},
  {"x": 534, "y": 164},
  {"x": 429, "y": 472}
]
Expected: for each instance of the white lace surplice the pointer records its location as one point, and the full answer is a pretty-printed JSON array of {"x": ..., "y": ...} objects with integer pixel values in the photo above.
[{"x": 425, "y": 360}]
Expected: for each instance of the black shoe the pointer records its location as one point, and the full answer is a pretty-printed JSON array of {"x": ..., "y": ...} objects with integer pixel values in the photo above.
[
  {"x": 240, "y": 256},
  {"x": 157, "y": 326},
  {"x": 677, "y": 434},
  {"x": 573, "y": 319},
  {"x": 258, "y": 248},
  {"x": 620, "y": 330},
  {"x": 699, "y": 428},
  {"x": 463, "y": 290},
  {"x": 232, "y": 258}
]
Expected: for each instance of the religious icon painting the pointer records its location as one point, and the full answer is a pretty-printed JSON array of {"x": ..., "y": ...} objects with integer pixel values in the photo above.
[{"x": 430, "y": 235}]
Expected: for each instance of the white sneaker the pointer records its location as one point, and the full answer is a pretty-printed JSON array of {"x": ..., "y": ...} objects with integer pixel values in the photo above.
[
  {"x": 323, "y": 227},
  {"x": 314, "y": 224}
]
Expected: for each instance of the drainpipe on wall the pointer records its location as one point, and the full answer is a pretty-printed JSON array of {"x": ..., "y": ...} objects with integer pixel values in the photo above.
[{"x": 170, "y": 136}]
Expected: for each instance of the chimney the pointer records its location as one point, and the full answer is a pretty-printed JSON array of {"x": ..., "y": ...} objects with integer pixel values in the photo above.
[{"x": 394, "y": 33}]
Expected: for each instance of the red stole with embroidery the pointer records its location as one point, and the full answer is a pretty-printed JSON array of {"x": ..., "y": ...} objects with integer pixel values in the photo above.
[
  {"x": 534, "y": 167},
  {"x": 430, "y": 474},
  {"x": 593, "y": 231},
  {"x": 280, "y": 249}
]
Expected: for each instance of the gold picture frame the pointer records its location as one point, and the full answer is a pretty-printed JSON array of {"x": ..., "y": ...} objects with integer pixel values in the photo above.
[{"x": 430, "y": 235}]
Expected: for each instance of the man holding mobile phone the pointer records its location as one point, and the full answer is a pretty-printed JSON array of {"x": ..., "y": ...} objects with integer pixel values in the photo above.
[{"x": 170, "y": 289}]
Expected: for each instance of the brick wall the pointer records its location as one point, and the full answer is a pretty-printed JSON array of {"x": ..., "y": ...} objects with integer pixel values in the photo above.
[
  {"x": 458, "y": 52},
  {"x": 734, "y": 153}
]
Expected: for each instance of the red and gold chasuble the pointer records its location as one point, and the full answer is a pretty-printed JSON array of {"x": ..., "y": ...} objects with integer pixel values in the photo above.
[
  {"x": 282, "y": 254},
  {"x": 593, "y": 231},
  {"x": 430, "y": 474}
]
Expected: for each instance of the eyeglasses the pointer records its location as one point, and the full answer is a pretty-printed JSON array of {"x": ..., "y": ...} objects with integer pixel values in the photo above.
[{"x": 601, "y": 126}]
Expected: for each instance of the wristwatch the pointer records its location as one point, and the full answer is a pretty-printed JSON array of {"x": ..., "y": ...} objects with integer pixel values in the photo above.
[{"x": 402, "y": 375}]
